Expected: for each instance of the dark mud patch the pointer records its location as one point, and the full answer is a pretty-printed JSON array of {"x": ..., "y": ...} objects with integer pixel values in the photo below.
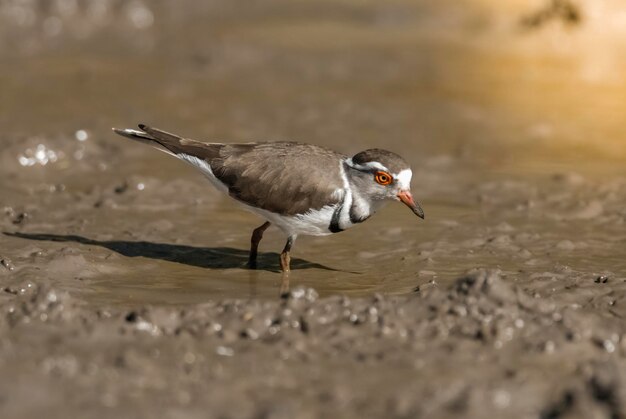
[{"x": 304, "y": 356}]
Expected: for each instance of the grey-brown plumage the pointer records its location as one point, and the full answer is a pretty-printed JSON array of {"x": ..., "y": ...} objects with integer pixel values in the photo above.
[
  {"x": 279, "y": 177},
  {"x": 287, "y": 178},
  {"x": 302, "y": 188}
]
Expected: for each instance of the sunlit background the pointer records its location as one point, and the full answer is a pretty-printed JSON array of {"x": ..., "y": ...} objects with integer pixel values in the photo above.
[{"x": 508, "y": 81}]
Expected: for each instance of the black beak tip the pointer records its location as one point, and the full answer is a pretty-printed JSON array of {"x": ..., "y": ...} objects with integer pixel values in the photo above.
[{"x": 417, "y": 210}]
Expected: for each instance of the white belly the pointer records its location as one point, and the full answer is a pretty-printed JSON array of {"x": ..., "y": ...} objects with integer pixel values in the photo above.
[{"x": 311, "y": 223}]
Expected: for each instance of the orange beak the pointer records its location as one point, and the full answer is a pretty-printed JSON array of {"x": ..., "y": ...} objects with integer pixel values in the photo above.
[{"x": 407, "y": 199}]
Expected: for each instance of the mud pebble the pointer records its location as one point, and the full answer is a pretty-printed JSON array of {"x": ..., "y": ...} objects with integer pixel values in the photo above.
[
  {"x": 422, "y": 287},
  {"x": 20, "y": 218},
  {"x": 146, "y": 326},
  {"x": 103, "y": 314},
  {"x": 6, "y": 262},
  {"x": 608, "y": 346},
  {"x": 131, "y": 317},
  {"x": 602, "y": 279},
  {"x": 52, "y": 296},
  {"x": 224, "y": 351},
  {"x": 249, "y": 334},
  {"x": 301, "y": 293},
  {"x": 120, "y": 189},
  {"x": 304, "y": 325}
]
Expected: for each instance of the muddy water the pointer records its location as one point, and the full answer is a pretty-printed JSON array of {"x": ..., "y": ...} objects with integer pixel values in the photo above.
[
  {"x": 515, "y": 134},
  {"x": 474, "y": 119}
]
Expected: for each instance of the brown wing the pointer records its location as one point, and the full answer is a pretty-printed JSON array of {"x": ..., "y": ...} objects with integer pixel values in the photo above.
[{"x": 286, "y": 178}]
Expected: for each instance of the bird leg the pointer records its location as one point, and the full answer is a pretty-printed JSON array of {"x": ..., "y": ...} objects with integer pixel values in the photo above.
[
  {"x": 284, "y": 285},
  {"x": 285, "y": 259},
  {"x": 257, "y": 235}
]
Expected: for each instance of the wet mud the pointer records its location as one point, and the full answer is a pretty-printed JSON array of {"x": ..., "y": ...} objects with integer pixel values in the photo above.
[
  {"x": 123, "y": 285},
  {"x": 480, "y": 347}
]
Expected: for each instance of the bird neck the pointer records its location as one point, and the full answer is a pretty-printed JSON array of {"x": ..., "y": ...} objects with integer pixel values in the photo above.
[{"x": 361, "y": 207}]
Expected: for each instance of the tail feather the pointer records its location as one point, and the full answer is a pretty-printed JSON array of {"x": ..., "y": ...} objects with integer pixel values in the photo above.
[
  {"x": 163, "y": 137},
  {"x": 171, "y": 143},
  {"x": 156, "y": 138},
  {"x": 133, "y": 134}
]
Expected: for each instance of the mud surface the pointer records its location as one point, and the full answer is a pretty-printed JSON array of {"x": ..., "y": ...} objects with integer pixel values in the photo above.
[{"x": 123, "y": 288}]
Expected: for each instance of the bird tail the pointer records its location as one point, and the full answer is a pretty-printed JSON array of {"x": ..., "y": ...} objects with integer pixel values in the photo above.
[
  {"x": 172, "y": 144},
  {"x": 157, "y": 138}
]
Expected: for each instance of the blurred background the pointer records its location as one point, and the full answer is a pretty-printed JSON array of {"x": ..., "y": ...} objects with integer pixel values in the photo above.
[{"x": 513, "y": 84}]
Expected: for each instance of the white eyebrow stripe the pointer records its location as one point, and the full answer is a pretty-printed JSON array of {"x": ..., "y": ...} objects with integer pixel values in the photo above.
[
  {"x": 404, "y": 178},
  {"x": 366, "y": 167}
]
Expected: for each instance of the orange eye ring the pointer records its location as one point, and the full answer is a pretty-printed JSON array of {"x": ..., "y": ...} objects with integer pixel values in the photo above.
[{"x": 383, "y": 178}]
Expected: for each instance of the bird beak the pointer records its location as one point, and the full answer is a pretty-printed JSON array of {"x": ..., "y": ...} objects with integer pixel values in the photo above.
[{"x": 407, "y": 199}]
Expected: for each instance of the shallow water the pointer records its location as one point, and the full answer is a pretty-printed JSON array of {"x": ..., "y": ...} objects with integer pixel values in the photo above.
[{"x": 517, "y": 150}]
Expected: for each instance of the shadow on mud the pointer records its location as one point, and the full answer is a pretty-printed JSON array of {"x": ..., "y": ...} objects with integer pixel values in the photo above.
[{"x": 204, "y": 257}]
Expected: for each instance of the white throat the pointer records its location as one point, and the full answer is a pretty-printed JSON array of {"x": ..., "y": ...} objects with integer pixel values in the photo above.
[{"x": 355, "y": 208}]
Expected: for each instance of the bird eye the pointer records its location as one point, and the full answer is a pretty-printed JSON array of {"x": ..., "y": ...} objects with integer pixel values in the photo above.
[{"x": 383, "y": 178}]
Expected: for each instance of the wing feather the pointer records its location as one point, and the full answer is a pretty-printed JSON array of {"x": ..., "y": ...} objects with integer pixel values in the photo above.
[{"x": 283, "y": 177}]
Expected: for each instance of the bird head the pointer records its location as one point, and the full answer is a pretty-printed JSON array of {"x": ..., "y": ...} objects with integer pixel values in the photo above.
[{"x": 381, "y": 175}]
